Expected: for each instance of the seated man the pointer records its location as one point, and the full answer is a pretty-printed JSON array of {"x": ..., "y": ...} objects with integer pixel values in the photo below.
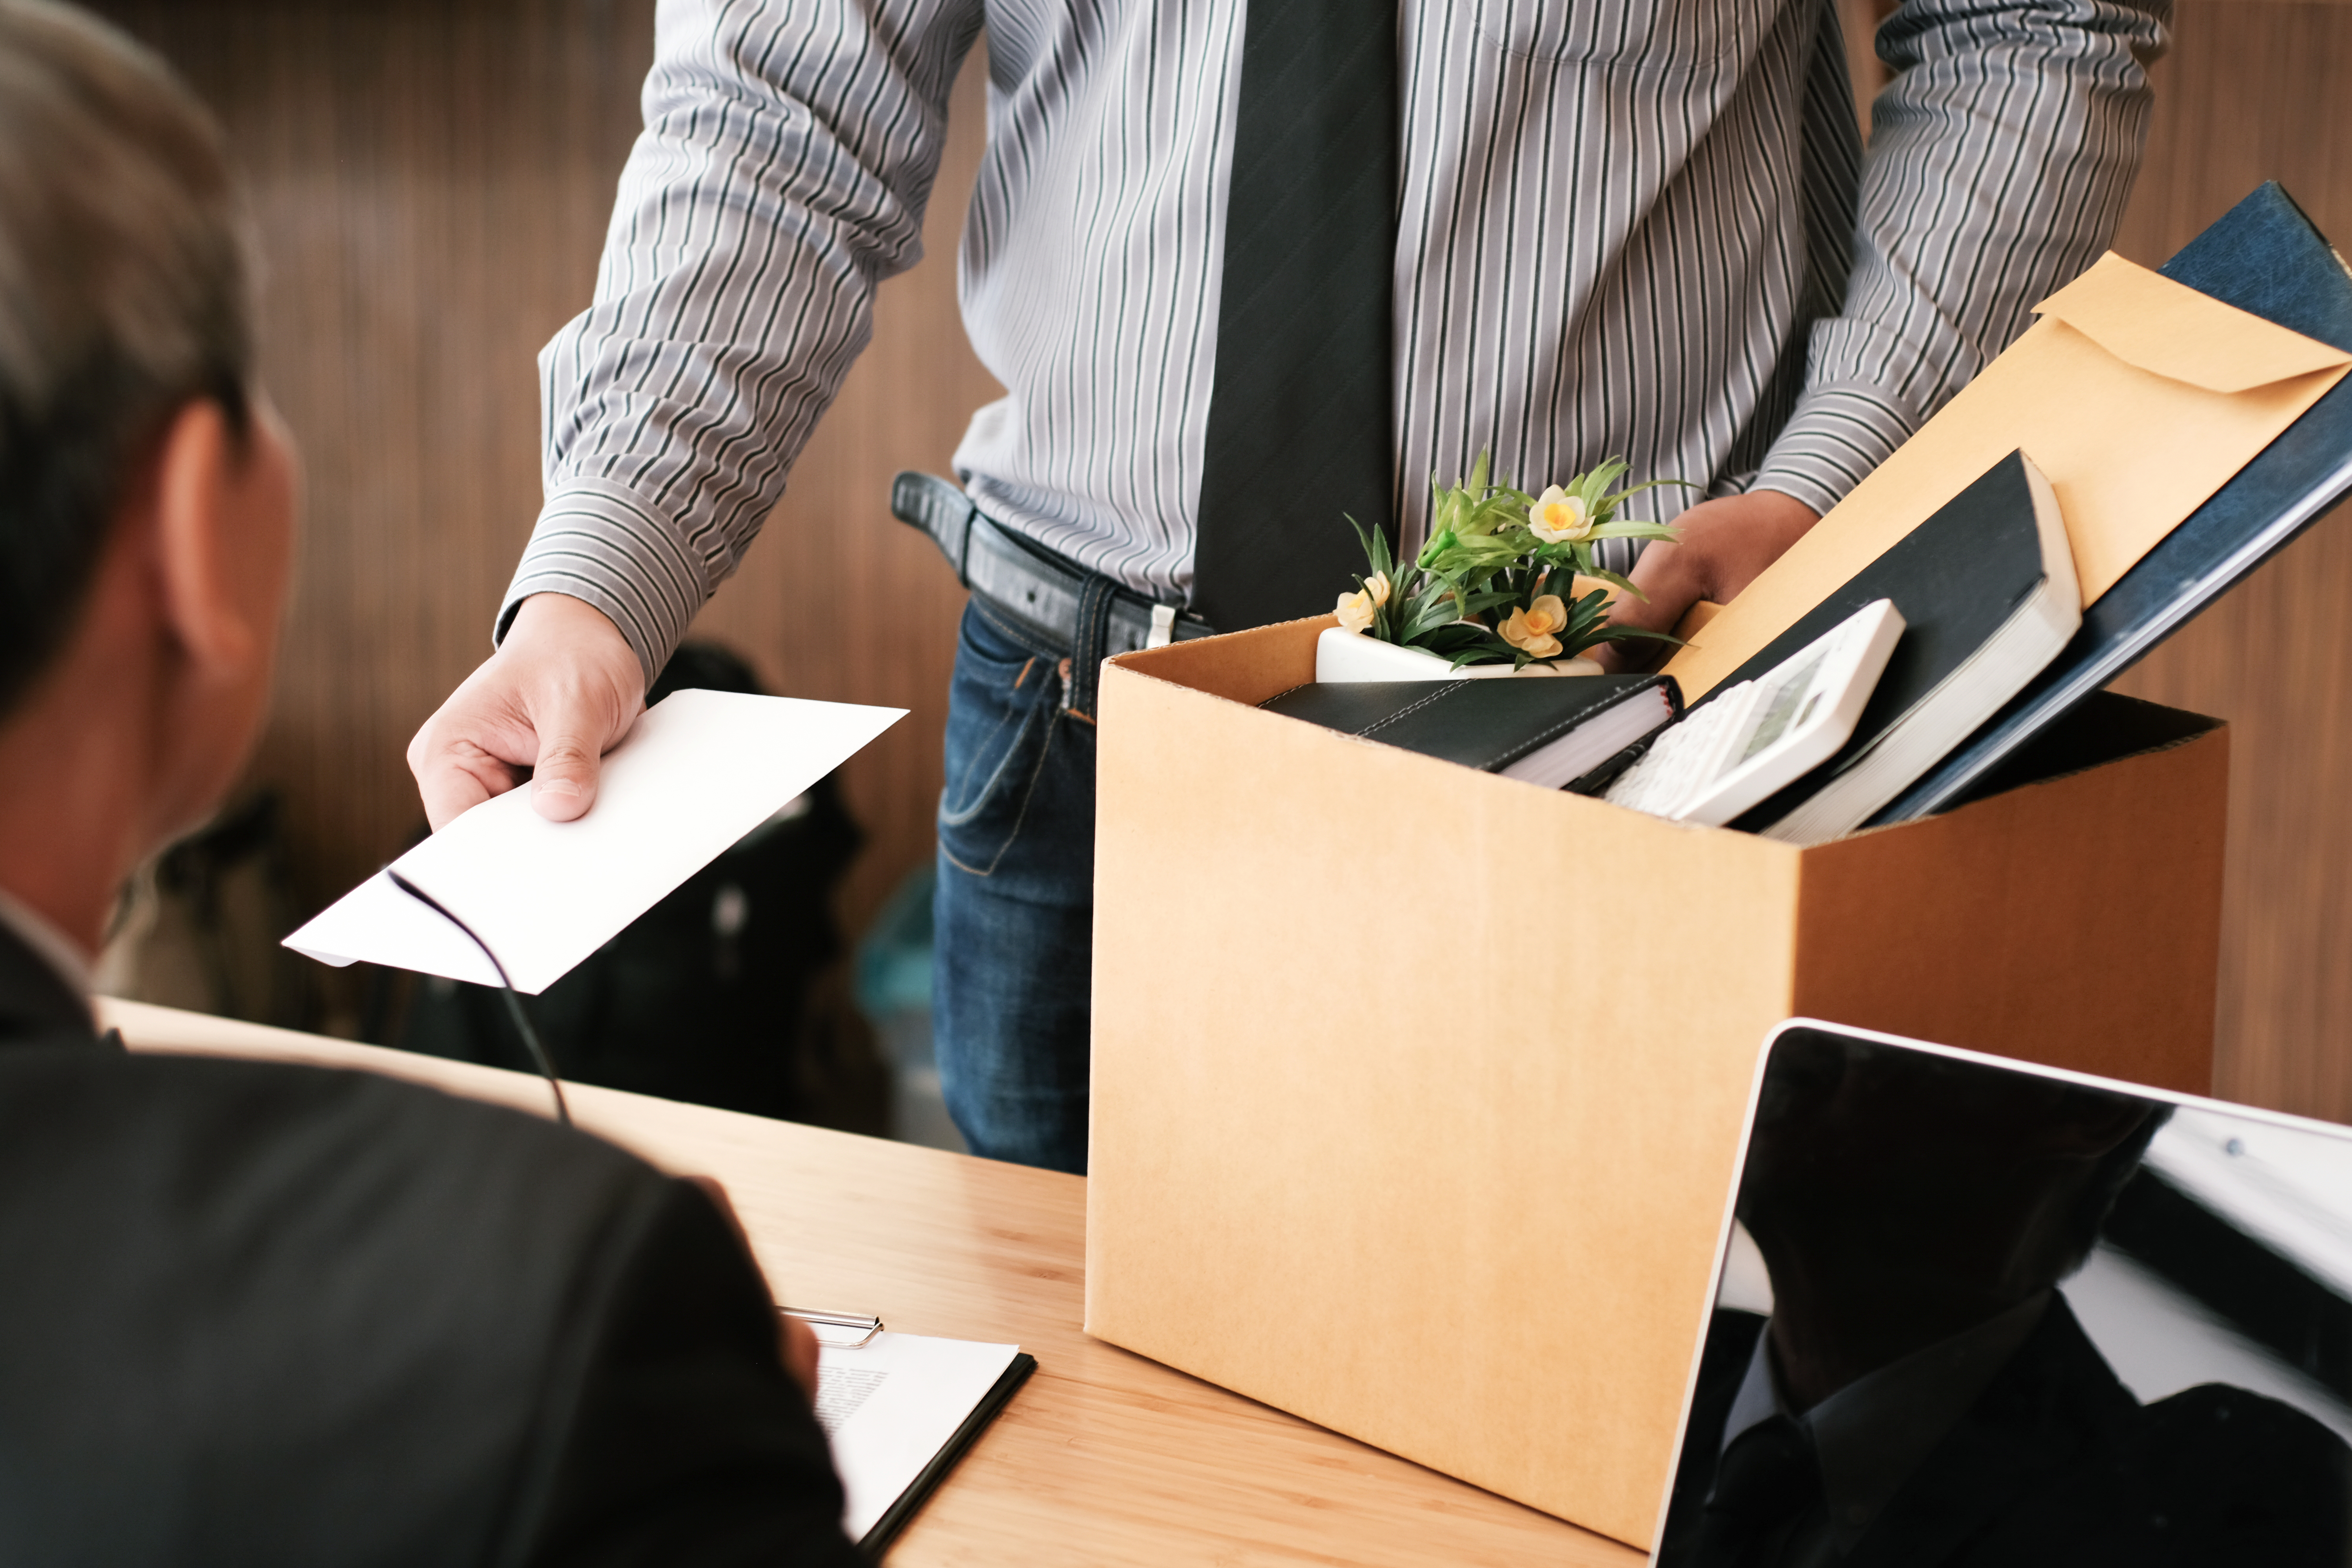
[{"x": 263, "y": 1314}]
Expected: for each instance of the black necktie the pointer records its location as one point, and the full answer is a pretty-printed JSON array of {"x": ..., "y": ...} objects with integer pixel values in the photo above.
[
  {"x": 1767, "y": 1485},
  {"x": 1299, "y": 415}
]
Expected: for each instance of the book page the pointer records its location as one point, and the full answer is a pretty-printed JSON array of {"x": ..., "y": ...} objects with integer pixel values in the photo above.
[{"x": 890, "y": 1407}]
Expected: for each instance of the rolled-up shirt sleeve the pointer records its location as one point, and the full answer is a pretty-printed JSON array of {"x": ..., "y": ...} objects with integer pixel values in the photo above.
[
  {"x": 786, "y": 159},
  {"x": 2000, "y": 157}
]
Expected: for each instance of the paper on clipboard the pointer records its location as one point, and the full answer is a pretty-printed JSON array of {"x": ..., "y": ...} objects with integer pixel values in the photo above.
[
  {"x": 2137, "y": 397},
  {"x": 700, "y": 770}
]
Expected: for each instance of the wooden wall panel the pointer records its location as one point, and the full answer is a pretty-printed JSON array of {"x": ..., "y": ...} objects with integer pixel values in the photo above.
[
  {"x": 432, "y": 180},
  {"x": 2249, "y": 93}
]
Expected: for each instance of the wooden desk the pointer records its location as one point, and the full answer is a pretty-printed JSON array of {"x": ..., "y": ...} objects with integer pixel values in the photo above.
[{"x": 1105, "y": 1456}]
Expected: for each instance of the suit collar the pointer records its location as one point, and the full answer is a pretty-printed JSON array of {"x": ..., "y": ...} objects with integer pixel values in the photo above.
[
  {"x": 2054, "y": 1398},
  {"x": 37, "y": 999},
  {"x": 1870, "y": 1435}
]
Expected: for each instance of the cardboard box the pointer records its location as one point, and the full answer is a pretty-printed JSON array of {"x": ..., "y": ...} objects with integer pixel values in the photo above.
[{"x": 1397, "y": 1128}]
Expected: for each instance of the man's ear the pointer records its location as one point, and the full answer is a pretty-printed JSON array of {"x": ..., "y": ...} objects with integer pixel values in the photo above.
[
  {"x": 223, "y": 513},
  {"x": 194, "y": 466}
]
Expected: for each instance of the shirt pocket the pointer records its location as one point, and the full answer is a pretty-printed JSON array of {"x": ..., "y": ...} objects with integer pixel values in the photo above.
[{"x": 1660, "y": 36}]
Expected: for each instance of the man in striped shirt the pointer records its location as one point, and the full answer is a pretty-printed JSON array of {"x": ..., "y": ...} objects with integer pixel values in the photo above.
[{"x": 1643, "y": 228}]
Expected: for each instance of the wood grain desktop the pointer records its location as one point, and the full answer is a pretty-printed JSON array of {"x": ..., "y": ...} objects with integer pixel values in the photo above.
[{"x": 1103, "y": 1457}]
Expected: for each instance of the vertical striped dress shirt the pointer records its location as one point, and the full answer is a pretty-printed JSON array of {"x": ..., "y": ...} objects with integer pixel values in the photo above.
[{"x": 1626, "y": 227}]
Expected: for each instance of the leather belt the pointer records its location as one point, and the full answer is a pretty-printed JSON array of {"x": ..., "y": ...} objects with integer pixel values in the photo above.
[{"x": 1051, "y": 598}]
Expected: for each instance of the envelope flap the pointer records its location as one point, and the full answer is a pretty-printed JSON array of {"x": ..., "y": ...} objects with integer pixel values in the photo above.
[{"x": 2170, "y": 330}]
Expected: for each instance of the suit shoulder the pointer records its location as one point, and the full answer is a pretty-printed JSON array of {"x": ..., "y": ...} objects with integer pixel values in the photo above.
[
  {"x": 2246, "y": 1479},
  {"x": 68, "y": 1105},
  {"x": 237, "y": 1268}
]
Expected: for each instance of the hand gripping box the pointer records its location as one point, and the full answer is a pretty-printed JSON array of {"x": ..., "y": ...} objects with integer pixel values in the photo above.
[{"x": 1417, "y": 1091}]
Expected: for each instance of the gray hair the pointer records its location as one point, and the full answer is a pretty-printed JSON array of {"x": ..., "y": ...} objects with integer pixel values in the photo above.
[{"x": 125, "y": 294}]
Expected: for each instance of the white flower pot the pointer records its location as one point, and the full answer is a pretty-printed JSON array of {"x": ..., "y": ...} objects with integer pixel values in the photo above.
[{"x": 1343, "y": 654}]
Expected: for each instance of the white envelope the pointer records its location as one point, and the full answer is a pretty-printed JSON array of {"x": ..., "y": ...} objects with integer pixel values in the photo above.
[{"x": 700, "y": 770}]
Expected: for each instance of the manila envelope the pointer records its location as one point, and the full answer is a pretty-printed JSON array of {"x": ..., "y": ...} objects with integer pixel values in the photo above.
[{"x": 2137, "y": 397}]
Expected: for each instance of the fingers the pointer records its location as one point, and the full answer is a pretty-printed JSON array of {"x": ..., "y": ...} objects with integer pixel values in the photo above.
[
  {"x": 716, "y": 1190},
  {"x": 456, "y": 780},
  {"x": 796, "y": 1344},
  {"x": 562, "y": 690},
  {"x": 563, "y": 779},
  {"x": 800, "y": 1352},
  {"x": 468, "y": 752},
  {"x": 1668, "y": 588},
  {"x": 1725, "y": 543}
]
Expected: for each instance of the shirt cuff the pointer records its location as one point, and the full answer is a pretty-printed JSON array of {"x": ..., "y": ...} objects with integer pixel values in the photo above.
[
  {"x": 607, "y": 547},
  {"x": 1836, "y": 436}
]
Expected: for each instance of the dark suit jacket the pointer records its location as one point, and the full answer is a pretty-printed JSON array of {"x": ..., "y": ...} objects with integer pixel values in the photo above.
[
  {"x": 259, "y": 1315},
  {"x": 2057, "y": 1465}
]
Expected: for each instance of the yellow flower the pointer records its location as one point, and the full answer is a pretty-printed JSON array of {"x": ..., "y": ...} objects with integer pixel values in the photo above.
[
  {"x": 1529, "y": 630},
  {"x": 1356, "y": 609},
  {"x": 1558, "y": 515}
]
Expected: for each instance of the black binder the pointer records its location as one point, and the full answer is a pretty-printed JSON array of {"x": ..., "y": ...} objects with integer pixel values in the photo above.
[
  {"x": 2265, "y": 258},
  {"x": 876, "y": 1540},
  {"x": 1559, "y": 731}
]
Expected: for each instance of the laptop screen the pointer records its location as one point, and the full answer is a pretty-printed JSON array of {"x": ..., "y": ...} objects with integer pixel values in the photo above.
[{"x": 1977, "y": 1314}]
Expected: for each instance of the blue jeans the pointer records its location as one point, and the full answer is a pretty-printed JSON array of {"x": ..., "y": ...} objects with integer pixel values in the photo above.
[{"x": 1013, "y": 917}]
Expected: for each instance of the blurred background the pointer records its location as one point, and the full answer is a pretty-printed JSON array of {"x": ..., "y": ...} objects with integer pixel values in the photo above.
[{"x": 433, "y": 180}]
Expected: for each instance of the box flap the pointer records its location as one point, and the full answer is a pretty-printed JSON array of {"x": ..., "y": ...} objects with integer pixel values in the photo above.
[
  {"x": 1241, "y": 666},
  {"x": 2075, "y": 921},
  {"x": 2106, "y": 727}
]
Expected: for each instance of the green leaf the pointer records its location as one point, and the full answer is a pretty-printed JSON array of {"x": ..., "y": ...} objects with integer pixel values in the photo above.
[{"x": 1619, "y": 634}]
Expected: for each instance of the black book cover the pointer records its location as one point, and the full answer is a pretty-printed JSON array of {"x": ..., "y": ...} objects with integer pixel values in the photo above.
[
  {"x": 1957, "y": 578},
  {"x": 1483, "y": 724},
  {"x": 2265, "y": 258}
]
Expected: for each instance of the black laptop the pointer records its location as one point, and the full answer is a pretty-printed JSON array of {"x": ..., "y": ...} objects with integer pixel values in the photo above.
[{"x": 1972, "y": 1313}]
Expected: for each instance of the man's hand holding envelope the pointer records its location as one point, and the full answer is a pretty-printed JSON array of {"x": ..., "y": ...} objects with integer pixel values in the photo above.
[{"x": 2137, "y": 397}]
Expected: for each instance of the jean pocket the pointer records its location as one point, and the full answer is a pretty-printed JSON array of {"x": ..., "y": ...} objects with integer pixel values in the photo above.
[{"x": 1002, "y": 708}]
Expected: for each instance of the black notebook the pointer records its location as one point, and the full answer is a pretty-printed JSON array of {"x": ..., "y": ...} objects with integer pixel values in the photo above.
[
  {"x": 1987, "y": 591},
  {"x": 1548, "y": 731},
  {"x": 2264, "y": 257}
]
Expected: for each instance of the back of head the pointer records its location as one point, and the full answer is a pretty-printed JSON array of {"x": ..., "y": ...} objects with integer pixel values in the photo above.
[{"x": 125, "y": 293}]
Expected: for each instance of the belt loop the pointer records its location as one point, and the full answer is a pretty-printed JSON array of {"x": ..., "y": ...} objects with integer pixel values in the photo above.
[
  {"x": 939, "y": 510},
  {"x": 964, "y": 541},
  {"x": 1088, "y": 639}
]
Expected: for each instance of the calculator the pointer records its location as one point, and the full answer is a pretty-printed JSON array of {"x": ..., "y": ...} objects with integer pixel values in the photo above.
[{"x": 1748, "y": 741}]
